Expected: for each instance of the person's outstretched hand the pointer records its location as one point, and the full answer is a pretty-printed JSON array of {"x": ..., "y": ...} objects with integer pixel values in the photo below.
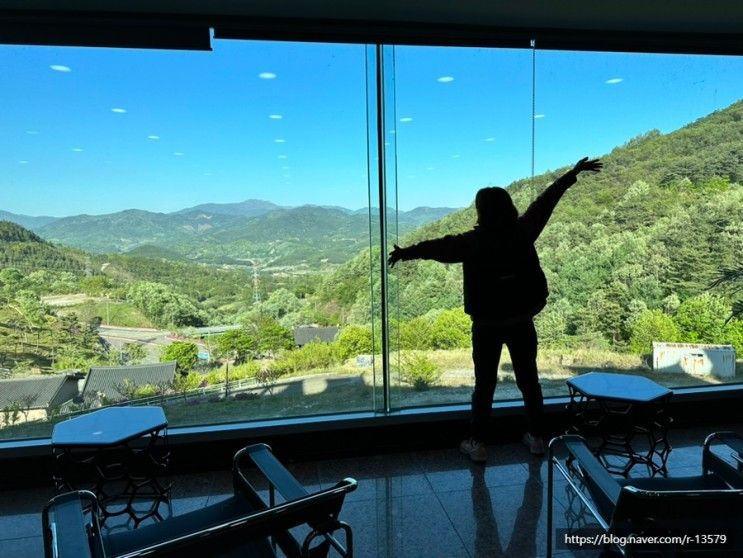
[
  {"x": 586, "y": 164},
  {"x": 395, "y": 255}
]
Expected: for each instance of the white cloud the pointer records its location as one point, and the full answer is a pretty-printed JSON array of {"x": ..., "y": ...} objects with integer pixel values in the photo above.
[
  {"x": 178, "y": 153},
  {"x": 456, "y": 156},
  {"x": 445, "y": 79},
  {"x": 267, "y": 75},
  {"x": 284, "y": 168},
  {"x": 60, "y": 68},
  {"x": 283, "y": 156},
  {"x": 614, "y": 81},
  {"x": 22, "y": 162},
  {"x": 153, "y": 137},
  {"x": 430, "y": 168},
  {"x": 275, "y": 116},
  {"x": 489, "y": 139},
  {"x": 279, "y": 140},
  {"x": 78, "y": 149},
  {"x": 537, "y": 116},
  {"x": 406, "y": 119},
  {"x": 33, "y": 132},
  {"x": 118, "y": 110}
]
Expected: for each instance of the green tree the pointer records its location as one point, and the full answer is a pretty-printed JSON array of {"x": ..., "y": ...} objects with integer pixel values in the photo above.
[
  {"x": 164, "y": 306},
  {"x": 237, "y": 344},
  {"x": 702, "y": 319},
  {"x": 280, "y": 303},
  {"x": 734, "y": 335},
  {"x": 185, "y": 354},
  {"x": 30, "y": 309},
  {"x": 649, "y": 326},
  {"x": 272, "y": 336}
]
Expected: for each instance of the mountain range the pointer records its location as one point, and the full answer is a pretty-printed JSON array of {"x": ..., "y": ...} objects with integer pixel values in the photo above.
[{"x": 252, "y": 231}]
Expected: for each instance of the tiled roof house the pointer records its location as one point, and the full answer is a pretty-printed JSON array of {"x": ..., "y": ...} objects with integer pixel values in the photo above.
[{"x": 105, "y": 379}]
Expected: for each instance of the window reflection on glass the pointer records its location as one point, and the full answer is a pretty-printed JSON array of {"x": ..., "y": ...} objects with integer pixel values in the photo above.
[{"x": 196, "y": 207}]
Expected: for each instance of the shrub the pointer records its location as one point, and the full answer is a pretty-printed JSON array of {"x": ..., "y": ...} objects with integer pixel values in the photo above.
[
  {"x": 313, "y": 355},
  {"x": 416, "y": 333},
  {"x": 146, "y": 390},
  {"x": 189, "y": 382},
  {"x": 419, "y": 371},
  {"x": 451, "y": 330},
  {"x": 245, "y": 370},
  {"x": 354, "y": 340},
  {"x": 215, "y": 377}
]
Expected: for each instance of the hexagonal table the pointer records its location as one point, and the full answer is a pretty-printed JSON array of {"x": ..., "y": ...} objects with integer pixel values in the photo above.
[
  {"x": 118, "y": 453},
  {"x": 618, "y": 409}
]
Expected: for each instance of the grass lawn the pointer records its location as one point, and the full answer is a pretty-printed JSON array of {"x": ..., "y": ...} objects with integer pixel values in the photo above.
[{"x": 113, "y": 313}]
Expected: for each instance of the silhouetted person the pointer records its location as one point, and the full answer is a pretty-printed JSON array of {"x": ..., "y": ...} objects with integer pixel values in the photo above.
[{"x": 504, "y": 288}]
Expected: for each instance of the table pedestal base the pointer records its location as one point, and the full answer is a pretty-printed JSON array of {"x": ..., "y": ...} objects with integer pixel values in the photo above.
[{"x": 623, "y": 434}]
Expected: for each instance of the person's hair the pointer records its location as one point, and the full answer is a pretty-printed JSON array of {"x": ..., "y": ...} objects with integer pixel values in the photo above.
[{"x": 495, "y": 207}]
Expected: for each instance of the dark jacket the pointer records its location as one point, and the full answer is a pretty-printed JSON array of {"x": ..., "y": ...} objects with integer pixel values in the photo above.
[{"x": 503, "y": 280}]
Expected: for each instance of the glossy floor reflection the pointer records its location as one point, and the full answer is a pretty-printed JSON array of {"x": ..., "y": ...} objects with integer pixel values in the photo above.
[{"x": 428, "y": 504}]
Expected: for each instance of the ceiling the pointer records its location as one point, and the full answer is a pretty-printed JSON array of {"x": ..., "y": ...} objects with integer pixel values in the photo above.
[
  {"x": 666, "y": 16},
  {"x": 686, "y": 26}
]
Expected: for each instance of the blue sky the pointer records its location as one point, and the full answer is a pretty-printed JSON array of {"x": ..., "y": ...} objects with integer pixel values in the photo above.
[{"x": 102, "y": 130}]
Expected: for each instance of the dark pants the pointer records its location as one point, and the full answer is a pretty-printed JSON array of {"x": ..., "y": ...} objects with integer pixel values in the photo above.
[{"x": 487, "y": 343}]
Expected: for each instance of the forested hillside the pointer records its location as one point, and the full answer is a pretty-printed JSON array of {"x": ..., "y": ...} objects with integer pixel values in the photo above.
[
  {"x": 644, "y": 240},
  {"x": 248, "y": 233},
  {"x": 24, "y": 250}
]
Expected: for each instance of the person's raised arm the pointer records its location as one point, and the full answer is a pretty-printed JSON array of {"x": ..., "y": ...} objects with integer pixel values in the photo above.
[
  {"x": 447, "y": 249},
  {"x": 536, "y": 216}
]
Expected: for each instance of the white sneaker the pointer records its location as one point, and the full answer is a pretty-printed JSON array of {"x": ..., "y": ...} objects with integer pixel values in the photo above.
[
  {"x": 534, "y": 443},
  {"x": 476, "y": 450}
]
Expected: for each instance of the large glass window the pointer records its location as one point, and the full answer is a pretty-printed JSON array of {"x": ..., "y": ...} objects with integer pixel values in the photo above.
[
  {"x": 636, "y": 255},
  {"x": 208, "y": 230},
  {"x": 463, "y": 122},
  {"x": 202, "y": 208}
]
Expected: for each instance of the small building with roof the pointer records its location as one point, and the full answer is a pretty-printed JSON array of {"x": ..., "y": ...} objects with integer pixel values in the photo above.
[
  {"x": 106, "y": 381},
  {"x": 36, "y": 396},
  {"x": 308, "y": 334}
]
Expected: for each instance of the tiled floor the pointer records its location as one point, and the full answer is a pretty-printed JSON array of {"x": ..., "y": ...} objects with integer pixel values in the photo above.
[{"x": 420, "y": 504}]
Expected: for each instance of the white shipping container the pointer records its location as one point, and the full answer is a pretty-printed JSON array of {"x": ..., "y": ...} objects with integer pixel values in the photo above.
[{"x": 693, "y": 358}]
